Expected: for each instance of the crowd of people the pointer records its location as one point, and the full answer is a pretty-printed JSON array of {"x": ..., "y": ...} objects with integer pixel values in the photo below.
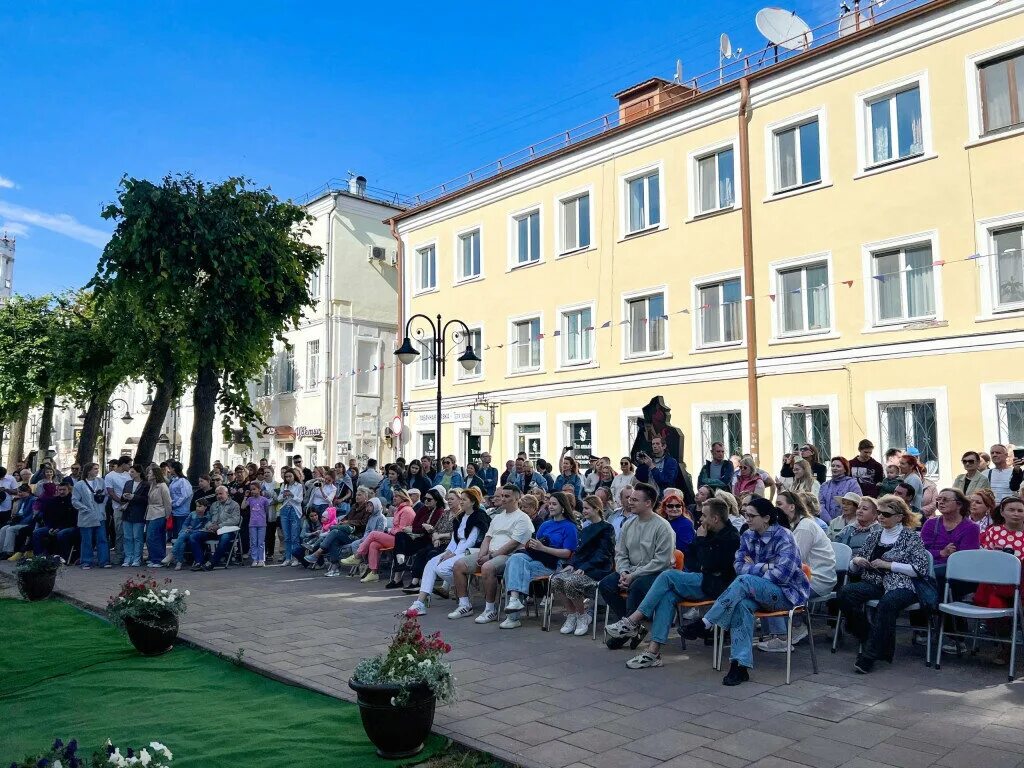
[{"x": 640, "y": 540}]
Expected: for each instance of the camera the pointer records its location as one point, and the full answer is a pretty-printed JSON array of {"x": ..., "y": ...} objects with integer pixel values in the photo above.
[
  {"x": 318, "y": 484},
  {"x": 99, "y": 496}
]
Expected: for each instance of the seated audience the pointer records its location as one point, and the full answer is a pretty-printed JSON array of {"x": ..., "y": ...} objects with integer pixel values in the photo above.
[
  {"x": 195, "y": 522},
  {"x": 952, "y": 531},
  {"x": 372, "y": 544},
  {"x": 57, "y": 533},
  {"x": 856, "y": 533},
  {"x": 1006, "y": 534},
  {"x": 593, "y": 559},
  {"x": 223, "y": 513},
  {"x": 848, "y": 503},
  {"x": 673, "y": 507},
  {"x": 983, "y": 504},
  {"x": 416, "y": 536}
]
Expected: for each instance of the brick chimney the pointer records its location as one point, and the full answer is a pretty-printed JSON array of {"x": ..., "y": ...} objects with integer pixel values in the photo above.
[{"x": 650, "y": 96}]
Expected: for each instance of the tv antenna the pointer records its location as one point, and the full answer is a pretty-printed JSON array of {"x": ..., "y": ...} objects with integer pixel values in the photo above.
[
  {"x": 853, "y": 21},
  {"x": 725, "y": 53},
  {"x": 783, "y": 29}
]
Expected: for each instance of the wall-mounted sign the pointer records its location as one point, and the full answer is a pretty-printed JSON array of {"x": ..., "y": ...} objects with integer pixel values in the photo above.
[
  {"x": 446, "y": 416},
  {"x": 309, "y": 432},
  {"x": 480, "y": 422},
  {"x": 344, "y": 446}
]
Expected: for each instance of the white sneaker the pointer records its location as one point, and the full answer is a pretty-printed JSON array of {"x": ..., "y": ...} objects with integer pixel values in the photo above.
[
  {"x": 461, "y": 612},
  {"x": 167, "y": 560},
  {"x": 773, "y": 644},
  {"x": 799, "y": 633},
  {"x": 126, "y": 564},
  {"x": 514, "y": 604},
  {"x": 509, "y": 623},
  {"x": 420, "y": 608},
  {"x": 583, "y": 624},
  {"x": 333, "y": 572},
  {"x": 570, "y": 624},
  {"x": 486, "y": 617},
  {"x": 292, "y": 562}
]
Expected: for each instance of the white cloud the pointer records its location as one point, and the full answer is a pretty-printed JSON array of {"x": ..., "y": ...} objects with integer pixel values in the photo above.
[
  {"x": 60, "y": 223},
  {"x": 6, "y": 183},
  {"x": 14, "y": 228}
]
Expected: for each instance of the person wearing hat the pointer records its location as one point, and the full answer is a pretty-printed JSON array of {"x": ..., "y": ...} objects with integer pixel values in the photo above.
[
  {"x": 866, "y": 522},
  {"x": 848, "y": 504},
  {"x": 769, "y": 576},
  {"x": 673, "y": 507}
]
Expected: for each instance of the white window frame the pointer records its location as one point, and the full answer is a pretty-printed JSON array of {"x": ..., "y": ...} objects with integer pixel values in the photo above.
[
  {"x": 693, "y": 178},
  {"x": 461, "y": 374},
  {"x": 287, "y": 364},
  {"x": 771, "y": 159},
  {"x": 374, "y": 391},
  {"x": 775, "y": 270},
  {"x": 425, "y": 347},
  {"x": 418, "y": 252},
  {"x": 697, "y": 411},
  {"x": 565, "y": 197},
  {"x": 460, "y": 278},
  {"x": 513, "y": 237},
  {"x": 513, "y": 348},
  {"x": 563, "y": 358},
  {"x": 872, "y": 323},
  {"x": 862, "y": 109},
  {"x": 986, "y": 265},
  {"x": 562, "y": 422},
  {"x": 697, "y": 345},
  {"x": 312, "y": 382},
  {"x": 624, "y": 180},
  {"x": 515, "y": 420},
  {"x": 313, "y": 282},
  {"x": 972, "y": 72},
  {"x": 420, "y": 435},
  {"x": 627, "y": 354},
  {"x": 874, "y": 399},
  {"x": 991, "y": 395},
  {"x": 625, "y": 416},
  {"x": 782, "y": 404}
]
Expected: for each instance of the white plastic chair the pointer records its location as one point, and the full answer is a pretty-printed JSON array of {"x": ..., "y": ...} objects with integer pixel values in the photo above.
[{"x": 984, "y": 566}]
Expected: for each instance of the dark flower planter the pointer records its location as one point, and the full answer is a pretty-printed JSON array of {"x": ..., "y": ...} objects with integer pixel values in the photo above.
[
  {"x": 396, "y": 731},
  {"x": 36, "y": 586},
  {"x": 152, "y": 640}
]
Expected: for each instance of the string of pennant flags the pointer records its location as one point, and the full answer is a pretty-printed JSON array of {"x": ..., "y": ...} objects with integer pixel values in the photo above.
[{"x": 881, "y": 278}]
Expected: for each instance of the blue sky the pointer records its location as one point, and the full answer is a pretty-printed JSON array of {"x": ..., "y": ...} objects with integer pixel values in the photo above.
[{"x": 407, "y": 94}]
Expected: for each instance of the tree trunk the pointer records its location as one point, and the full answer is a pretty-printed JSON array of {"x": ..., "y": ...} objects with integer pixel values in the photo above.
[
  {"x": 91, "y": 429},
  {"x": 204, "y": 410},
  {"x": 154, "y": 422},
  {"x": 46, "y": 426},
  {"x": 16, "y": 448}
]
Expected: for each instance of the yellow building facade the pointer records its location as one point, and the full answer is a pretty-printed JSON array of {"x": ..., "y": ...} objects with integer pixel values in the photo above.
[{"x": 885, "y": 176}]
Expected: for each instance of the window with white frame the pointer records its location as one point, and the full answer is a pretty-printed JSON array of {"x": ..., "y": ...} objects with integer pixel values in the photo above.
[
  {"x": 528, "y": 440},
  {"x": 715, "y": 181},
  {"x": 725, "y": 427},
  {"x": 312, "y": 363},
  {"x": 427, "y": 370},
  {"x": 801, "y": 426},
  {"x": 288, "y": 371},
  {"x": 314, "y": 283},
  {"x": 428, "y": 444},
  {"x": 426, "y": 268},
  {"x": 577, "y": 336},
  {"x": 803, "y": 299},
  {"x": 575, "y": 223},
  {"x": 720, "y": 313},
  {"x": 368, "y": 367},
  {"x": 1007, "y": 248},
  {"x": 1011, "y": 420},
  {"x": 526, "y": 345},
  {"x": 643, "y": 202},
  {"x": 265, "y": 385},
  {"x": 646, "y": 316},
  {"x": 477, "y": 343},
  {"x": 469, "y": 255},
  {"x": 526, "y": 238},
  {"x": 895, "y": 126},
  {"x": 1002, "y": 93},
  {"x": 914, "y": 424},
  {"x": 903, "y": 284},
  {"x": 797, "y": 155}
]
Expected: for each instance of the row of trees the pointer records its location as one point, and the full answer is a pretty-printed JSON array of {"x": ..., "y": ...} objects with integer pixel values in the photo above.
[{"x": 195, "y": 285}]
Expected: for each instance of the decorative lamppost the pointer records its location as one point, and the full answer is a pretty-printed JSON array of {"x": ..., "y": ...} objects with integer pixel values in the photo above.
[
  {"x": 407, "y": 354},
  {"x": 107, "y": 416}
]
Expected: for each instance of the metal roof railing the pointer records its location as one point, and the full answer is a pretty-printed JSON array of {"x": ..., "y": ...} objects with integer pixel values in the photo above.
[{"x": 374, "y": 194}]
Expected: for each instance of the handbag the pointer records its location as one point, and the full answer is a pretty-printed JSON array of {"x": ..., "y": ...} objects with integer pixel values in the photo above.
[{"x": 927, "y": 590}]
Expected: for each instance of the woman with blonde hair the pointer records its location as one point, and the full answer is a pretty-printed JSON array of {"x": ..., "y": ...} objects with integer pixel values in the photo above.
[
  {"x": 734, "y": 508},
  {"x": 889, "y": 563},
  {"x": 983, "y": 503},
  {"x": 803, "y": 478},
  {"x": 593, "y": 559},
  {"x": 748, "y": 479}
]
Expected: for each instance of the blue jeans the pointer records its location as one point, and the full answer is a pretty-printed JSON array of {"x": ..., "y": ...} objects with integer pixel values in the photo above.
[
  {"x": 257, "y": 543},
  {"x": 291, "y": 526},
  {"x": 134, "y": 533},
  {"x": 95, "y": 537},
  {"x": 660, "y": 603},
  {"x": 177, "y": 521},
  {"x": 62, "y": 541},
  {"x": 156, "y": 539},
  {"x": 197, "y": 540},
  {"x": 180, "y": 545},
  {"x": 519, "y": 570},
  {"x": 620, "y": 606},
  {"x": 334, "y": 541},
  {"x": 734, "y": 610}
]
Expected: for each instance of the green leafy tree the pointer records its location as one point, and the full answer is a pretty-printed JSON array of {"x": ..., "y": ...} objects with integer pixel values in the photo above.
[
  {"x": 221, "y": 271},
  {"x": 27, "y": 323}
]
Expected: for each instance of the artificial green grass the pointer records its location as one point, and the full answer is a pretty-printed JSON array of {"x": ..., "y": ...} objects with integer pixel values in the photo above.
[{"x": 66, "y": 674}]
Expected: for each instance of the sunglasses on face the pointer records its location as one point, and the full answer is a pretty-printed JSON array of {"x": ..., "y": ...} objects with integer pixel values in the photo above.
[
  {"x": 968, "y": 461},
  {"x": 889, "y": 514},
  {"x": 673, "y": 506}
]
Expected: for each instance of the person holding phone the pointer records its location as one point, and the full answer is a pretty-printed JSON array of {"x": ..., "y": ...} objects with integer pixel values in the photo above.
[
  {"x": 1003, "y": 476},
  {"x": 290, "y": 515}
]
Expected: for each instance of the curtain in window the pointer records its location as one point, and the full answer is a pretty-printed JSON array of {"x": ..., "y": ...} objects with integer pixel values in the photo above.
[
  {"x": 920, "y": 288},
  {"x": 908, "y": 119},
  {"x": 656, "y": 323},
  {"x": 534, "y": 236},
  {"x": 523, "y": 233},
  {"x": 732, "y": 310},
  {"x": 584, "y": 222},
  {"x": 1008, "y": 245},
  {"x": 523, "y": 345},
  {"x": 817, "y": 297},
  {"x": 637, "y": 326},
  {"x": 725, "y": 177},
  {"x": 881, "y": 131},
  {"x": 996, "y": 93},
  {"x": 707, "y": 183},
  {"x": 636, "y": 205},
  {"x": 887, "y": 285},
  {"x": 711, "y": 314},
  {"x": 569, "y": 226},
  {"x": 787, "y": 159},
  {"x": 792, "y": 301}
]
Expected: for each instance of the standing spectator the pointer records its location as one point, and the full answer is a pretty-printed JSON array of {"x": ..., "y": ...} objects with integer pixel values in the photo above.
[
  {"x": 971, "y": 479},
  {"x": 913, "y": 475},
  {"x": 865, "y": 470},
  {"x": 258, "y": 506},
  {"x": 290, "y": 513},
  {"x": 983, "y": 504},
  {"x": 303, "y": 474},
  {"x": 717, "y": 471},
  {"x": 810, "y": 454},
  {"x": 273, "y": 511},
  {"x": 473, "y": 478},
  {"x": 181, "y": 495},
  {"x": 488, "y": 474},
  {"x": 891, "y": 481},
  {"x": 114, "y": 483},
  {"x": 840, "y": 485},
  {"x": 626, "y": 477},
  {"x": 591, "y": 476},
  {"x": 8, "y": 485},
  {"x": 1004, "y": 478},
  {"x": 449, "y": 477},
  {"x": 428, "y": 468},
  {"x": 663, "y": 471},
  {"x": 322, "y": 494},
  {"x": 569, "y": 476},
  {"x": 804, "y": 480},
  {"x": 748, "y": 480},
  {"x": 985, "y": 460},
  {"x": 369, "y": 477},
  {"x": 416, "y": 479},
  {"x": 89, "y": 498},
  {"x": 135, "y": 501},
  {"x": 158, "y": 514}
]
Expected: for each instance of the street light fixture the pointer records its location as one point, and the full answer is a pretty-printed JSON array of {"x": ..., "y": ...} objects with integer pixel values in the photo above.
[{"x": 407, "y": 354}]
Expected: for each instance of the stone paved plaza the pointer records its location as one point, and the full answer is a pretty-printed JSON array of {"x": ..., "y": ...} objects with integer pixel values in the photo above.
[{"x": 537, "y": 698}]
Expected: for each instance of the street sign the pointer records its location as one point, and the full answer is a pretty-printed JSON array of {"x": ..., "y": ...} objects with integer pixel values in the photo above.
[{"x": 480, "y": 422}]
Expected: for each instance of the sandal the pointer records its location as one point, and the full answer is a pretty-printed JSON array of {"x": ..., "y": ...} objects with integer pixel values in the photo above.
[{"x": 645, "y": 660}]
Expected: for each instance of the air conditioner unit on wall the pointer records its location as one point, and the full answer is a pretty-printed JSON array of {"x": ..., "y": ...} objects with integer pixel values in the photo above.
[{"x": 376, "y": 253}]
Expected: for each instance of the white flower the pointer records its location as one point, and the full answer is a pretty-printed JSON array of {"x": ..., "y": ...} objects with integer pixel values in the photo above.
[
  {"x": 144, "y": 757},
  {"x": 158, "y": 747},
  {"x": 187, "y": 593},
  {"x": 58, "y": 764}
]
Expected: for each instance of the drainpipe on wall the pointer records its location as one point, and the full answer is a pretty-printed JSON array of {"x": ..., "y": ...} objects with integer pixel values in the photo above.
[
  {"x": 329, "y": 457},
  {"x": 748, "y": 265},
  {"x": 399, "y": 368}
]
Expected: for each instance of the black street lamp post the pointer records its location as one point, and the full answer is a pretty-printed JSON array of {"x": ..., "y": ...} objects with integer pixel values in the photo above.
[
  {"x": 407, "y": 354},
  {"x": 108, "y": 414}
]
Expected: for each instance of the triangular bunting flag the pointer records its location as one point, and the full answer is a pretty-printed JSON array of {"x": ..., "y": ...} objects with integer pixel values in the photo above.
[
  {"x": 849, "y": 283},
  {"x": 771, "y": 296},
  {"x": 606, "y": 324}
]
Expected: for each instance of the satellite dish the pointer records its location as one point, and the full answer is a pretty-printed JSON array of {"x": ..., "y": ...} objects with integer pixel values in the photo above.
[
  {"x": 784, "y": 29},
  {"x": 849, "y": 23},
  {"x": 725, "y": 46}
]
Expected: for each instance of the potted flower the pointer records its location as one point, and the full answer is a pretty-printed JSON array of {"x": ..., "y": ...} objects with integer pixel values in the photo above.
[
  {"x": 61, "y": 755},
  {"x": 148, "y": 613},
  {"x": 37, "y": 575},
  {"x": 397, "y": 691}
]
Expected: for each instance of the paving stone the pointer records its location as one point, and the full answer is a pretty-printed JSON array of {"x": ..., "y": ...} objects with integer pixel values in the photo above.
[
  {"x": 751, "y": 744},
  {"x": 534, "y": 733},
  {"x": 975, "y": 754},
  {"x": 894, "y": 754},
  {"x": 620, "y": 758},
  {"x": 666, "y": 744},
  {"x": 596, "y": 739},
  {"x": 557, "y": 754},
  {"x": 718, "y": 758}
]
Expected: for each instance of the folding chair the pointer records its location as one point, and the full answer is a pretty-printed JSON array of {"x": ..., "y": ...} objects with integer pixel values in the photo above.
[
  {"x": 236, "y": 544},
  {"x": 678, "y": 561},
  {"x": 844, "y": 553},
  {"x": 985, "y": 566}
]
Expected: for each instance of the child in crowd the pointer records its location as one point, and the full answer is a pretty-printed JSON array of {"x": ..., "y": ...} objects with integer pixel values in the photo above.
[
  {"x": 892, "y": 479},
  {"x": 196, "y": 521},
  {"x": 258, "y": 506}
]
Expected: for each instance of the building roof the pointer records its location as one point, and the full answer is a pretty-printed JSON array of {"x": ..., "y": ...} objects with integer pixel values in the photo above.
[{"x": 642, "y": 86}]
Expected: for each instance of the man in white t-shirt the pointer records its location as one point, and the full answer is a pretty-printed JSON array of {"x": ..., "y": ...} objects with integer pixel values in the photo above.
[
  {"x": 1003, "y": 477},
  {"x": 509, "y": 530},
  {"x": 114, "y": 483},
  {"x": 9, "y": 485}
]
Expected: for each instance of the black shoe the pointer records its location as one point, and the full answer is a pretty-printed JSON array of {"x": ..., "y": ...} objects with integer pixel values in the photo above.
[
  {"x": 208, "y": 566},
  {"x": 614, "y": 643},
  {"x": 393, "y": 584},
  {"x": 863, "y": 664},
  {"x": 413, "y": 590},
  {"x": 196, "y": 567},
  {"x": 693, "y": 630},
  {"x": 641, "y": 633},
  {"x": 736, "y": 675}
]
